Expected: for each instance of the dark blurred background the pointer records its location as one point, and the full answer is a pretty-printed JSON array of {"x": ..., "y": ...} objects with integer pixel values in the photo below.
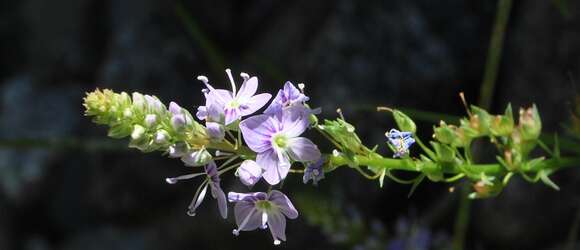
[{"x": 65, "y": 185}]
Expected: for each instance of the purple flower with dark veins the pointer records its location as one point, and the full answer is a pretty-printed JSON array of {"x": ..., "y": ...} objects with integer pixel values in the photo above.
[
  {"x": 235, "y": 104},
  {"x": 286, "y": 97},
  {"x": 276, "y": 142},
  {"x": 314, "y": 172},
  {"x": 213, "y": 181},
  {"x": 261, "y": 210}
]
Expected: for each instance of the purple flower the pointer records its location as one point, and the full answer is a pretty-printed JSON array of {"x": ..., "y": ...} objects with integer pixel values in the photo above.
[
  {"x": 254, "y": 210},
  {"x": 286, "y": 97},
  {"x": 314, "y": 172},
  {"x": 234, "y": 104},
  {"x": 213, "y": 181},
  {"x": 276, "y": 142},
  {"x": 400, "y": 142},
  {"x": 249, "y": 172}
]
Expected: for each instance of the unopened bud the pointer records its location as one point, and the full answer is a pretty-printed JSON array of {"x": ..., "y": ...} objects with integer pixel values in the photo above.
[
  {"x": 138, "y": 132},
  {"x": 197, "y": 158},
  {"x": 530, "y": 123},
  {"x": 404, "y": 123}
]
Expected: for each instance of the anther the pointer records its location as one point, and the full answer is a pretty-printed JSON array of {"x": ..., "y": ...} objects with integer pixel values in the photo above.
[
  {"x": 203, "y": 79},
  {"x": 245, "y": 76}
]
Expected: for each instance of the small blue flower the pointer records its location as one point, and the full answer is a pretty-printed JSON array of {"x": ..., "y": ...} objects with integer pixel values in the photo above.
[
  {"x": 314, "y": 172},
  {"x": 401, "y": 142}
]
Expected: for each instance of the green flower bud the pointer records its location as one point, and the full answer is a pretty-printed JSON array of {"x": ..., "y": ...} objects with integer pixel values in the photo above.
[
  {"x": 470, "y": 127},
  {"x": 512, "y": 158},
  {"x": 450, "y": 135},
  {"x": 404, "y": 123},
  {"x": 444, "y": 152},
  {"x": 106, "y": 107},
  {"x": 530, "y": 124},
  {"x": 197, "y": 158},
  {"x": 120, "y": 130},
  {"x": 138, "y": 102},
  {"x": 162, "y": 137},
  {"x": 138, "y": 132},
  {"x": 480, "y": 121},
  {"x": 503, "y": 125},
  {"x": 489, "y": 187},
  {"x": 150, "y": 120},
  {"x": 344, "y": 134}
]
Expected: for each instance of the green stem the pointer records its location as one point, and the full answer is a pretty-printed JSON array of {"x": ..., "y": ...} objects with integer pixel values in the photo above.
[
  {"x": 228, "y": 147},
  {"x": 462, "y": 220},
  {"x": 63, "y": 143},
  {"x": 494, "y": 53},
  {"x": 215, "y": 59},
  {"x": 475, "y": 170}
]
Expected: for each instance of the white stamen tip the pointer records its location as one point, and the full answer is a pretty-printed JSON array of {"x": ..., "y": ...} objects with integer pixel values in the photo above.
[
  {"x": 220, "y": 153},
  {"x": 301, "y": 86},
  {"x": 335, "y": 153},
  {"x": 276, "y": 242},
  {"x": 245, "y": 76},
  {"x": 235, "y": 232},
  {"x": 171, "y": 180},
  {"x": 204, "y": 79}
]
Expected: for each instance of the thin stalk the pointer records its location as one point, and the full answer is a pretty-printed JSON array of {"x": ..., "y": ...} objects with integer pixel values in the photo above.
[
  {"x": 485, "y": 99},
  {"x": 215, "y": 59},
  {"x": 462, "y": 219},
  {"x": 494, "y": 53}
]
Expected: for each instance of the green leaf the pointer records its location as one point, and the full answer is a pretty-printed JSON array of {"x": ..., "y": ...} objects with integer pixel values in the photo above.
[
  {"x": 416, "y": 184},
  {"x": 546, "y": 180}
]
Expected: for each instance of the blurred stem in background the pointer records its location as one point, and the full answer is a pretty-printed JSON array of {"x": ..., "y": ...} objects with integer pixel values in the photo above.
[
  {"x": 214, "y": 57},
  {"x": 83, "y": 144},
  {"x": 485, "y": 100}
]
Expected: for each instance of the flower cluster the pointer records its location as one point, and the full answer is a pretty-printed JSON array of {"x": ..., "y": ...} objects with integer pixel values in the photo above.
[
  {"x": 274, "y": 143},
  {"x": 238, "y": 138}
]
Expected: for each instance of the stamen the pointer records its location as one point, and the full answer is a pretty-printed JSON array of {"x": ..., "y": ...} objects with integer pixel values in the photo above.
[
  {"x": 197, "y": 198},
  {"x": 462, "y": 96},
  {"x": 339, "y": 111},
  {"x": 221, "y": 153},
  {"x": 301, "y": 87},
  {"x": 245, "y": 76},
  {"x": 174, "y": 180},
  {"x": 264, "y": 219},
  {"x": 203, "y": 79},
  {"x": 229, "y": 73},
  {"x": 236, "y": 232}
]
